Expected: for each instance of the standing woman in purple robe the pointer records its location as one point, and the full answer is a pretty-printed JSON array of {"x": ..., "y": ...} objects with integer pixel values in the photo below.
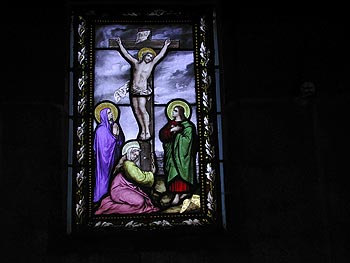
[{"x": 108, "y": 141}]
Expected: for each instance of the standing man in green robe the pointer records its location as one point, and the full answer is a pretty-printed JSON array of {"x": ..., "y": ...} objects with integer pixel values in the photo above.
[{"x": 179, "y": 143}]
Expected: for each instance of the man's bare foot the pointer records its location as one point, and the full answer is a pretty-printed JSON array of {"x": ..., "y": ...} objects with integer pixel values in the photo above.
[
  {"x": 142, "y": 136},
  {"x": 176, "y": 200},
  {"x": 147, "y": 135},
  {"x": 184, "y": 196}
]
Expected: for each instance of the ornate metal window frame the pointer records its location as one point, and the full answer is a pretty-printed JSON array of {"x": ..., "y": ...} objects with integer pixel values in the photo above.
[{"x": 81, "y": 167}]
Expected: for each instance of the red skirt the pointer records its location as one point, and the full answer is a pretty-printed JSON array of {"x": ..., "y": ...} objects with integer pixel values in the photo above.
[{"x": 179, "y": 186}]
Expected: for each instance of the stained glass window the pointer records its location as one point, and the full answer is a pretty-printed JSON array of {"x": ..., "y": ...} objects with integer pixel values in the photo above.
[{"x": 144, "y": 120}]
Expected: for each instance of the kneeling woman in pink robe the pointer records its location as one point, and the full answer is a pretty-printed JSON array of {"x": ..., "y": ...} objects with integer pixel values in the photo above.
[{"x": 126, "y": 197}]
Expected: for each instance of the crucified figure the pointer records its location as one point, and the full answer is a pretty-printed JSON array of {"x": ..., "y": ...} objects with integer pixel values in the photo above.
[{"x": 141, "y": 84}]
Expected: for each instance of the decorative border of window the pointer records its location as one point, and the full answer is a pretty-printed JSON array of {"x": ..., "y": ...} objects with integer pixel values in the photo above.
[{"x": 80, "y": 212}]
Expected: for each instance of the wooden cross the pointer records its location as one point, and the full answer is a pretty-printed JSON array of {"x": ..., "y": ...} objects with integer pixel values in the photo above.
[
  {"x": 149, "y": 42},
  {"x": 145, "y": 35}
]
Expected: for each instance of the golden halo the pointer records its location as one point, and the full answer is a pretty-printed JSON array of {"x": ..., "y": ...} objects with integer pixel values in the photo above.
[
  {"x": 104, "y": 105},
  {"x": 145, "y": 50},
  {"x": 183, "y": 104},
  {"x": 131, "y": 144}
]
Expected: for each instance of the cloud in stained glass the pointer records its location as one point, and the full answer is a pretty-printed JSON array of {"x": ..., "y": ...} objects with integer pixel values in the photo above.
[{"x": 173, "y": 75}]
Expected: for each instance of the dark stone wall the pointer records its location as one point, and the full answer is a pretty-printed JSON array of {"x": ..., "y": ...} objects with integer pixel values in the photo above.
[{"x": 285, "y": 155}]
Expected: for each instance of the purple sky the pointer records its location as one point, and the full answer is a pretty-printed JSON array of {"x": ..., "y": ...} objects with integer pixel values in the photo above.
[{"x": 173, "y": 76}]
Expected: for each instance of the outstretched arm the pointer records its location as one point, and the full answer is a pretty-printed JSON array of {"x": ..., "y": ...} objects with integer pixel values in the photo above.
[
  {"x": 125, "y": 52},
  {"x": 162, "y": 51}
]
